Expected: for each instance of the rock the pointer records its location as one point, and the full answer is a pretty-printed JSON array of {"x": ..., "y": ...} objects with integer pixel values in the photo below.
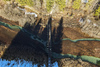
[
  {"x": 68, "y": 62},
  {"x": 16, "y": 11},
  {"x": 80, "y": 61},
  {"x": 98, "y": 34}
]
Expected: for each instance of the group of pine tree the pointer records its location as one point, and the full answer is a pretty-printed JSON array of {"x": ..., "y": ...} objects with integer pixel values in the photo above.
[{"x": 76, "y": 4}]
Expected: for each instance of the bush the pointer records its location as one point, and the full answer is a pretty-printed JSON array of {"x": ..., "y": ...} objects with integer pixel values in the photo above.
[{"x": 76, "y": 4}]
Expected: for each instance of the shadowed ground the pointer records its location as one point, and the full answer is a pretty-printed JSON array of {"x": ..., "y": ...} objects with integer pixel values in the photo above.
[{"x": 21, "y": 46}]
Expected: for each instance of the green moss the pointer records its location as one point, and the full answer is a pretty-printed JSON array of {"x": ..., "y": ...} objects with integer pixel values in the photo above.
[
  {"x": 7, "y": 0},
  {"x": 26, "y": 2},
  {"x": 61, "y": 4},
  {"x": 49, "y": 4},
  {"x": 29, "y": 2},
  {"x": 90, "y": 0},
  {"x": 88, "y": 4},
  {"x": 97, "y": 12},
  {"x": 76, "y": 4}
]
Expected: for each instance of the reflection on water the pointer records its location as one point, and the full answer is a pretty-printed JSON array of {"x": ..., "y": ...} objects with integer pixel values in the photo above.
[{"x": 21, "y": 63}]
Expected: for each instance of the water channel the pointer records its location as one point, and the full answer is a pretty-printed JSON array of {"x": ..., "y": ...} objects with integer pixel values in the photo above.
[{"x": 21, "y": 63}]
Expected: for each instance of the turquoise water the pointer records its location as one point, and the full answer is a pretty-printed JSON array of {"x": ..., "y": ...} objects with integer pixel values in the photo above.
[{"x": 21, "y": 63}]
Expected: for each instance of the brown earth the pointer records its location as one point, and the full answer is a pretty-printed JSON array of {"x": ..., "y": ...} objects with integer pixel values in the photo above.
[
  {"x": 8, "y": 21},
  {"x": 80, "y": 47},
  {"x": 90, "y": 48},
  {"x": 6, "y": 34},
  {"x": 21, "y": 49}
]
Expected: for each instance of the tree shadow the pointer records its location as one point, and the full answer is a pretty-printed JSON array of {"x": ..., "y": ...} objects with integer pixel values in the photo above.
[
  {"x": 34, "y": 28},
  {"x": 57, "y": 37},
  {"x": 44, "y": 33},
  {"x": 24, "y": 47},
  {"x": 98, "y": 63}
]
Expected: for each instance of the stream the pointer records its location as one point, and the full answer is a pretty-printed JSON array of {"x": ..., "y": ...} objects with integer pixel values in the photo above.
[
  {"x": 90, "y": 59},
  {"x": 23, "y": 63}
]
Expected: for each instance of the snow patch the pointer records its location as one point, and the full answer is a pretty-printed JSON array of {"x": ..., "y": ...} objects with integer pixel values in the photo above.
[
  {"x": 31, "y": 13},
  {"x": 84, "y": 1}
]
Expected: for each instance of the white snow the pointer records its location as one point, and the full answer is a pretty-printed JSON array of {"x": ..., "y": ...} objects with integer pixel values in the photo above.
[
  {"x": 81, "y": 20},
  {"x": 88, "y": 20},
  {"x": 84, "y": 1},
  {"x": 21, "y": 9},
  {"x": 31, "y": 13},
  {"x": 95, "y": 24}
]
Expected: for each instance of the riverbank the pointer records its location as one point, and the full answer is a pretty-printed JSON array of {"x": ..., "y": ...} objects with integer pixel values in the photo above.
[
  {"x": 24, "y": 45},
  {"x": 17, "y": 42}
]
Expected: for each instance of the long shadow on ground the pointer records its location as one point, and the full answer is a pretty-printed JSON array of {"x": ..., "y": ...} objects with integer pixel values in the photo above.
[
  {"x": 23, "y": 47},
  {"x": 57, "y": 37}
]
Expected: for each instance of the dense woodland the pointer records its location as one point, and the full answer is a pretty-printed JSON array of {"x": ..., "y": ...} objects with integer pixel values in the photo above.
[{"x": 74, "y": 4}]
